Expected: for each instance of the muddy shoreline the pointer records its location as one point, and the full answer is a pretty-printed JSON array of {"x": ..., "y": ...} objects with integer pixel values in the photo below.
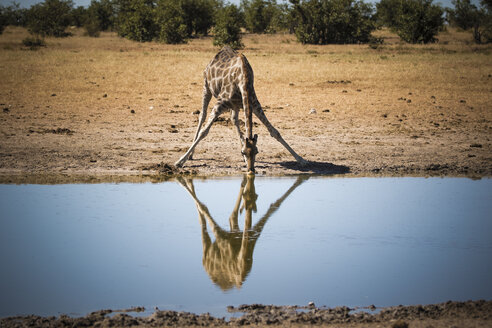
[
  {"x": 468, "y": 314},
  {"x": 159, "y": 176}
]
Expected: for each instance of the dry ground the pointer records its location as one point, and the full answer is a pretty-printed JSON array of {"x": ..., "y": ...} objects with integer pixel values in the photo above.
[
  {"x": 109, "y": 106},
  {"x": 449, "y": 314}
]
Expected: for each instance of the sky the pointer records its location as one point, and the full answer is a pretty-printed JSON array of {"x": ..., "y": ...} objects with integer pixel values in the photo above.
[{"x": 85, "y": 3}]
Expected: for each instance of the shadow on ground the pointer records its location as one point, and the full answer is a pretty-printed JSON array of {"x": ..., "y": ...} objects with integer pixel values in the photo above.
[{"x": 316, "y": 167}]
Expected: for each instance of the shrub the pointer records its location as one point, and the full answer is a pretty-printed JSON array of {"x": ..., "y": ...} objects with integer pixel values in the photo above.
[
  {"x": 92, "y": 27},
  {"x": 170, "y": 18},
  {"x": 50, "y": 18},
  {"x": 227, "y": 28},
  {"x": 33, "y": 42},
  {"x": 257, "y": 15},
  {"x": 198, "y": 15},
  {"x": 79, "y": 16},
  {"x": 468, "y": 16},
  {"x": 265, "y": 16},
  {"x": 415, "y": 21},
  {"x": 387, "y": 12},
  {"x": 136, "y": 19},
  {"x": 14, "y": 14},
  {"x": 419, "y": 21},
  {"x": 281, "y": 19},
  {"x": 333, "y": 21},
  {"x": 101, "y": 12},
  {"x": 3, "y": 19}
]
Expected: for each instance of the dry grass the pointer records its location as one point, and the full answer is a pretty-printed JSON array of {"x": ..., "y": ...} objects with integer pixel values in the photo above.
[{"x": 375, "y": 97}]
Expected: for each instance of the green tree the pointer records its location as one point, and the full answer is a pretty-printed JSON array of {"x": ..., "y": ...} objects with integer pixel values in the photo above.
[
  {"x": 333, "y": 21},
  {"x": 227, "y": 28},
  {"x": 419, "y": 21},
  {"x": 170, "y": 19},
  {"x": 3, "y": 19},
  {"x": 102, "y": 12},
  {"x": 463, "y": 15},
  {"x": 257, "y": 15},
  {"x": 281, "y": 19},
  {"x": 468, "y": 16},
  {"x": 198, "y": 15},
  {"x": 487, "y": 20},
  {"x": 15, "y": 15},
  {"x": 50, "y": 18},
  {"x": 79, "y": 16},
  {"x": 136, "y": 19},
  {"x": 263, "y": 16},
  {"x": 387, "y": 12}
]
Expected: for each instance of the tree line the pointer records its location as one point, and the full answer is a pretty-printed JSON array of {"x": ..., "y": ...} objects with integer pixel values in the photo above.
[{"x": 312, "y": 21}]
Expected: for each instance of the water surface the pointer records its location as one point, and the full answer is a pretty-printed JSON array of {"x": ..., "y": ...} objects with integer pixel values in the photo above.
[{"x": 183, "y": 245}]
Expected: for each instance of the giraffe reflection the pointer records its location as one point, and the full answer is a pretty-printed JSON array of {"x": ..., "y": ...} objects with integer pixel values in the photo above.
[{"x": 228, "y": 259}]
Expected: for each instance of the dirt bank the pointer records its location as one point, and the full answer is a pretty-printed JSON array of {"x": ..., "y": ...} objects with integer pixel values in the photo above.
[{"x": 450, "y": 314}]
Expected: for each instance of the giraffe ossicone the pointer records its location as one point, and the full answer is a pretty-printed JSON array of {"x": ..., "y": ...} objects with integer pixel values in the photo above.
[{"x": 229, "y": 78}]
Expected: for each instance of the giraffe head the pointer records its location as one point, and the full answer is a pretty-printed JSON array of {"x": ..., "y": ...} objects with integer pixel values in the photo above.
[{"x": 249, "y": 150}]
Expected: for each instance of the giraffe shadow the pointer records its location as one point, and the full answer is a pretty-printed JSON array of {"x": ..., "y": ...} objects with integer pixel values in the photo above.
[{"x": 323, "y": 168}]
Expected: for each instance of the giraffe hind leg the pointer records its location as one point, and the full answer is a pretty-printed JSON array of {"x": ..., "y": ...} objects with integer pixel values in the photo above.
[{"x": 275, "y": 134}]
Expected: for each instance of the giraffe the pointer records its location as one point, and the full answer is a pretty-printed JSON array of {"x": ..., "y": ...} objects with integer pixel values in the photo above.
[
  {"x": 229, "y": 78},
  {"x": 229, "y": 258}
]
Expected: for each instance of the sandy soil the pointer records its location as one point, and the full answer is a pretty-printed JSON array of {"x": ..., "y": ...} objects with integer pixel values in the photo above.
[
  {"x": 111, "y": 107},
  {"x": 450, "y": 314}
]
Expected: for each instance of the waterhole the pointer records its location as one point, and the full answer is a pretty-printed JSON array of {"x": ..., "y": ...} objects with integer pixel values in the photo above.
[{"x": 200, "y": 245}]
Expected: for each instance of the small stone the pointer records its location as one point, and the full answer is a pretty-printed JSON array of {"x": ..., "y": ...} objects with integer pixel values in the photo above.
[
  {"x": 196, "y": 112},
  {"x": 326, "y": 110},
  {"x": 291, "y": 84},
  {"x": 312, "y": 111},
  {"x": 463, "y": 101},
  {"x": 311, "y": 304},
  {"x": 53, "y": 94},
  {"x": 105, "y": 95},
  {"x": 6, "y": 110},
  {"x": 132, "y": 111},
  {"x": 151, "y": 107},
  {"x": 409, "y": 100}
]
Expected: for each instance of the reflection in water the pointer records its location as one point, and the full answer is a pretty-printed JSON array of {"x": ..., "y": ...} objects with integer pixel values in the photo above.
[{"x": 228, "y": 259}]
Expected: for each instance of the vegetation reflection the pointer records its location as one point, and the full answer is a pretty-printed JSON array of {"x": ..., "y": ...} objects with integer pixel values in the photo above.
[{"x": 229, "y": 258}]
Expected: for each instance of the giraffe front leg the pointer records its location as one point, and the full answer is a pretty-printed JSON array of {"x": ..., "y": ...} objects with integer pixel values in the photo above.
[
  {"x": 219, "y": 108},
  {"x": 207, "y": 95},
  {"x": 234, "y": 116}
]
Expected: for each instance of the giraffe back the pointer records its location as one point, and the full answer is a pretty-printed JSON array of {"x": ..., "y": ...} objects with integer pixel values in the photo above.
[{"x": 226, "y": 72}]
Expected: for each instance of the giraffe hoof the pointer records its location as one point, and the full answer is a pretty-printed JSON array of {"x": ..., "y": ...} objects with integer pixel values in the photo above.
[{"x": 303, "y": 162}]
